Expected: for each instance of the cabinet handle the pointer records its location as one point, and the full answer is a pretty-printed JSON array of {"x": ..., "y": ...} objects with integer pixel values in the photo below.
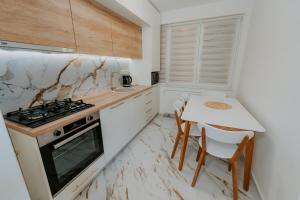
[
  {"x": 137, "y": 96},
  {"x": 117, "y": 105},
  {"x": 149, "y": 102},
  {"x": 56, "y": 146},
  {"x": 147, "y": 111},
  {"x": 149, "y": 118},
  {"x": 149, "y": 93}
]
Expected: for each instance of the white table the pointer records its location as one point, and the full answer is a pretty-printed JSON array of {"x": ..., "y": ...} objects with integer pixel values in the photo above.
[{"x": 236, "y": 117}]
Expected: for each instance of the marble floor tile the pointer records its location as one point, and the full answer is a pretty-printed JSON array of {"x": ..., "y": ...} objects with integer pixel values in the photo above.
[{"x": 144, "y": 171}]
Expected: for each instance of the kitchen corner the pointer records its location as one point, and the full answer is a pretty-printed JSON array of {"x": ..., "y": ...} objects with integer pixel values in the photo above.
[{"x": 38, "y": 146}]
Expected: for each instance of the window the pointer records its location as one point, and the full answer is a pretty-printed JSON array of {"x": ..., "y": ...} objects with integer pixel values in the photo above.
[
  {"x": 182, "y": 52},
  {"x": 163, "y": 54},
  {"x": 199, "y": 53}
]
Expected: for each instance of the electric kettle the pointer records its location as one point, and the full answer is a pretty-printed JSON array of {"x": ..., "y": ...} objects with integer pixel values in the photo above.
[{"x": 126, "y": 80}]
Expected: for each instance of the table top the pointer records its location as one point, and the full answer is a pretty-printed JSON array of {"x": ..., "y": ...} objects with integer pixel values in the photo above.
[{"x": 235, "y": 117}]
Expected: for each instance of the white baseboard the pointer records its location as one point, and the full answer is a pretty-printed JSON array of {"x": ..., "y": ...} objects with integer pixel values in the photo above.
[{"x": 257, "y": 187}]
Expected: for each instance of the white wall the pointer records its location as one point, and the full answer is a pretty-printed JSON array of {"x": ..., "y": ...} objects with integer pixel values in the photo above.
[
  {"x": 222, "y": 8},
  {"x": 269, "y": 88},
  {"x": 219, "y": 9},
  {"x": 151, "y": 51},
  {"x": 141, "y": 8},
  {"x": 12, "y": 185},
  {"x": 141, "y": 69}
]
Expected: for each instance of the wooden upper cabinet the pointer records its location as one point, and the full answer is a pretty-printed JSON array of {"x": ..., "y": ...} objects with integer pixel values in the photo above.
[
  {"x": 137, "y": 43},
  {"x": 42, "y": 22},
  {"x": 126, "y": 39},
  {"x": 92, "y": 27},
  {"x": 81, "y": 24}
]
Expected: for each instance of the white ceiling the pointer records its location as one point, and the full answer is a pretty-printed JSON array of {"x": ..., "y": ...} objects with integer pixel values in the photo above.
[{"x": 164, "y": 5}]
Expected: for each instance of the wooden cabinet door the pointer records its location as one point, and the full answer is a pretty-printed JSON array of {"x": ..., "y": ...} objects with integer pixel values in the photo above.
[
  {"x": 92, "y": 27},
  {"x": 137, "y": 43},
  {"x": 126, "y": 39},
  {"x": 42, "y": 22}
]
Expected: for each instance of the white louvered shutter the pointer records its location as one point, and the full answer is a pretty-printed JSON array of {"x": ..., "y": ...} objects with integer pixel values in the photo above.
[
  {"x": 163, "y": 54},
  {"x": 217, "y": 50},
  {"x": 183, "y": 46}
]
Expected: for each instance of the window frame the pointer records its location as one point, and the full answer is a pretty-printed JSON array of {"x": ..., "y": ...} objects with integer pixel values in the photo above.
[{"x": 197, "y": 60}]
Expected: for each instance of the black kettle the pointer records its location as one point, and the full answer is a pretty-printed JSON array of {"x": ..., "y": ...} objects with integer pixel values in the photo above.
[{"x": 126, "y": 80}]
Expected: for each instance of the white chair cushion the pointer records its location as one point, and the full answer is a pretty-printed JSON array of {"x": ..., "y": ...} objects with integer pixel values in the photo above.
[
  {"x": 219, "y": 149},
  {"x": 194, "y": 130}
]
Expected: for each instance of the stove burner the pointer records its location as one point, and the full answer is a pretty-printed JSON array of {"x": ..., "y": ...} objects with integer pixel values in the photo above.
[
  {"x": 45, "y": 113},
  {"x": 36, "y": 114}
]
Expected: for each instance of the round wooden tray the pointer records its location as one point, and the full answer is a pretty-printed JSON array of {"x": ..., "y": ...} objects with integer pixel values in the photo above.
[{"x": 217, "y": 105}]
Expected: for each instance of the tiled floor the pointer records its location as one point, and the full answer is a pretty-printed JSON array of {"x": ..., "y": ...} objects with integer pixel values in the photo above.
[{"x": 144, "y": 170}]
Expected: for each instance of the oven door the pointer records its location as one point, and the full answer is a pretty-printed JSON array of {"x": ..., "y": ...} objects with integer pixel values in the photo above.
[{"x": 68, "y": 156}]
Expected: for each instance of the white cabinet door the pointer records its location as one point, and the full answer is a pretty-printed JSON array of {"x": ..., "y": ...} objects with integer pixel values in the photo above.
[
  {"x": 148, "y": 105},
  {"x": 96, "y": 190},
  {"x": 155, "y": 99},
  {"x": 115, "y": 128},
  {"x": 136, "y": 114},
  {"x": 11, "y": 179}
]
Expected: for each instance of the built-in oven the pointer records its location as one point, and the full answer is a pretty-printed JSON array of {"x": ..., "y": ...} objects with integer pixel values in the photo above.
[{"x": 69, "y": 150}]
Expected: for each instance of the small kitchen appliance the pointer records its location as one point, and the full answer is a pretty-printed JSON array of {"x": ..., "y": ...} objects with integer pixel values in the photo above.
[
  {"x": 154, "y": 78},
  {"x": 126, "y": 80}
]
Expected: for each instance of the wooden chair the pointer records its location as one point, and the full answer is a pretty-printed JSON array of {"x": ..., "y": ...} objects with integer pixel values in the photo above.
[
  {"x": 194, "y": 131},
  {"x": 222, "y": 144}
]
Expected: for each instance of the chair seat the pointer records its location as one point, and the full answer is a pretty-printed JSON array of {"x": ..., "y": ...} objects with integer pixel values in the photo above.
[
  {"x": 194, "y": 130},
  {"x": 218, "y": 149}
]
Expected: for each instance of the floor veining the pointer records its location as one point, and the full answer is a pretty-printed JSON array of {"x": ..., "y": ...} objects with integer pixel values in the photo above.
[{"x": 145, "y": 171}]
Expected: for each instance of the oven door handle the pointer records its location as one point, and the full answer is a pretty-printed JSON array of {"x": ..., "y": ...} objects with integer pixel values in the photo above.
[{"x": 56, "y": 146}]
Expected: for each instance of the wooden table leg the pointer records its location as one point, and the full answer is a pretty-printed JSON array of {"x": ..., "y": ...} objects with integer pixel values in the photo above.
[
  {"x": 248, "y": 163},
  {"x": 184, "y": 144}
]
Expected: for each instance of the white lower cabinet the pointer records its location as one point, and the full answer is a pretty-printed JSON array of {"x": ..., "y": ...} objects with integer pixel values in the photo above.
[
  {"x": 122, "y": 121},
  {"x": 115, "y": 128},
  {"x": 151, "y": 103},
  {"x": 155, "y": 99},
  {"x": 96, "y": 190},
  {"x": 135, "y": 114},
  {"x": 148, "y": 108}
]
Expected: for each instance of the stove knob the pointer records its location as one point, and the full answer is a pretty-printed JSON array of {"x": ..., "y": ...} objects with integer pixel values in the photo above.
[
  {"x": 90, "y": 118},
  {"x": 57, "y": 133}
]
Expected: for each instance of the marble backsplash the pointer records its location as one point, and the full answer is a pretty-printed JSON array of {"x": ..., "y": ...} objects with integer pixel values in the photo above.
[{"x": 31, "y": 78}]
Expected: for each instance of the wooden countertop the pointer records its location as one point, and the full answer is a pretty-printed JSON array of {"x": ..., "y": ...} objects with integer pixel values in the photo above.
[{"x": 100, "y": 100}]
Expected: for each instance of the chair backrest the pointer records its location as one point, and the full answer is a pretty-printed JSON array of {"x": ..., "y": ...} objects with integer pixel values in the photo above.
[
  {"x": 178, "y": 106},
  {"x": 224, "y": 136},
  {"x": 217, "y": 94},
  {"x": 184, "y": 97}
]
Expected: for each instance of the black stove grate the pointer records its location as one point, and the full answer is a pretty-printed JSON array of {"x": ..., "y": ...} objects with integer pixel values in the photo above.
[{"x": 43, "y": 114}]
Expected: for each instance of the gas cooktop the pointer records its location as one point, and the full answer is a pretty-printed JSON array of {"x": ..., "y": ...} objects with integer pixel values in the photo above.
[{"x": 43, "y": 114}]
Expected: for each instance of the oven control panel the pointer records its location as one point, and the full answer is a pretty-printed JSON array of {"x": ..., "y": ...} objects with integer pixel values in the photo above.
[{"x": 69, "y": 128}]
